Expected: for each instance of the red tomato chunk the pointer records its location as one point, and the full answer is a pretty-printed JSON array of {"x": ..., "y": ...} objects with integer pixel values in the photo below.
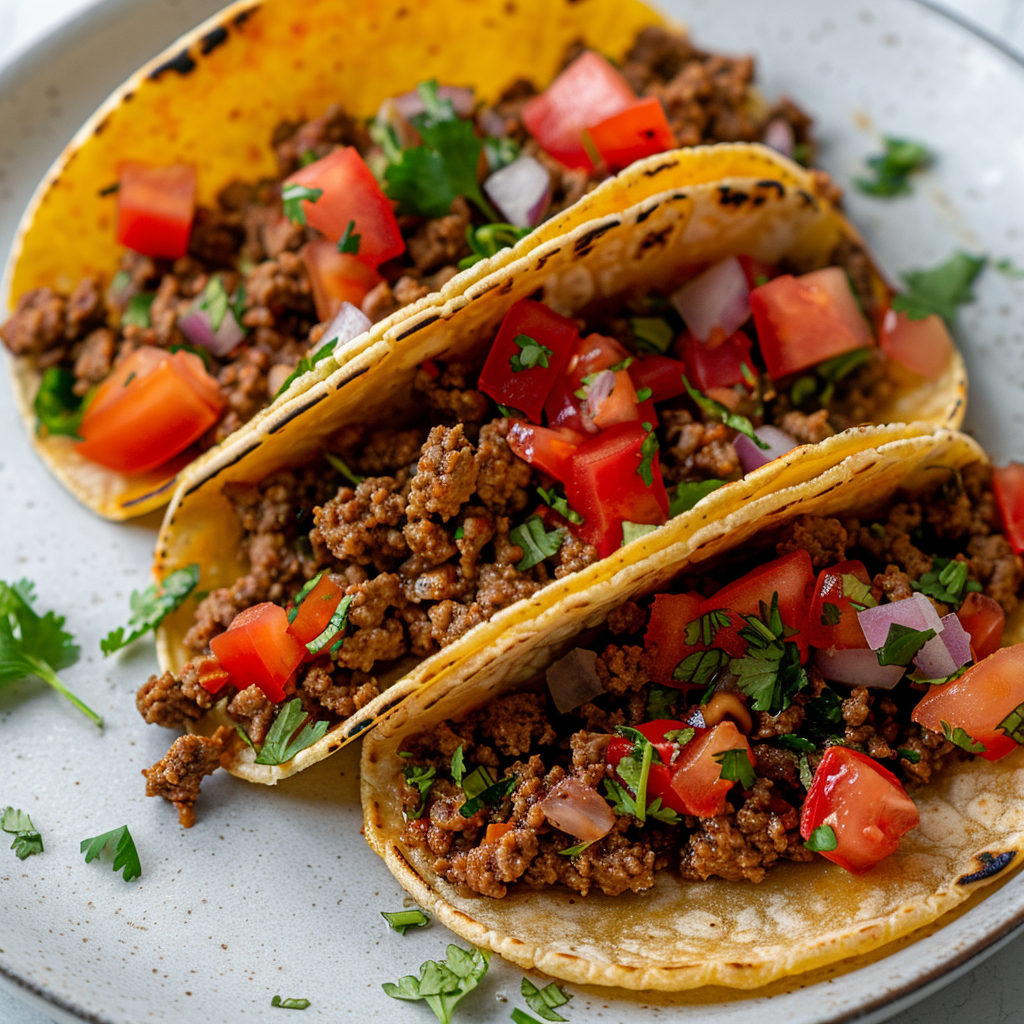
[
  {"x": 666, "y": 631},
  {"x": 336, "y": 277},
  {"x": 1008, "y": 485},
  {"x": 589, "y": 357},
  {"x": 863, "y": 804},
  {"x": 155, "y": 207},
  {"x": 662, "y": 374},
  {"x": 828, "y": 590},
  {"x": 313, "y": 616},
  {"x": 642, "y": 129},
  {"x": 984, "y": 619},
  {"x": 547, "y": 449},
  {"x": 258, "y": 650},
  {"x": 720, "y": 366},
  {"x": 923, "y": 346}
]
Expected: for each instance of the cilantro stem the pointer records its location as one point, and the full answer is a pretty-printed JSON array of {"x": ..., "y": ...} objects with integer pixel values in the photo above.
[
  {"x": 44, "y": 672},
  {"x": 641, "y": 786}
]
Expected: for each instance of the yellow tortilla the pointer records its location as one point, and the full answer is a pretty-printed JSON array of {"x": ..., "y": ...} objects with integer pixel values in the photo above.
[
  {"x": 656, "y": 242},
  {"x": 682, "y": 935}
]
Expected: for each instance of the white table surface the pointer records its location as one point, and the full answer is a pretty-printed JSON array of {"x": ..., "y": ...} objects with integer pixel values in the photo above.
[{"x": 993, "y": 993}]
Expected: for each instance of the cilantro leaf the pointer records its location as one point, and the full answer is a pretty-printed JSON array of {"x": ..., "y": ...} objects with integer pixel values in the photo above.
[
  {"x": 216, "y": 301},
  {"x": 717, "y": 411},
  {"x": 688, "y": 494},
  {"x": 58, "y": 409},
  {"x": 442, "y": 986},
  {"x": 661, "y": 701},
  {"x": 830, "y": 614},
  {"x": 662, "y": 814},
  {"x": 635, "y": 767},
  {"x": 536, "y": 542},
  {"x": 1013, "y": 724},
  {"x": 736, "y": 767},
  {"x": 343, "y": 468},
  {"x": 648, "y": 450},
  {"x": 34, "y": 645},
  {"x": 701, "y": 667},
  {"x": 902, "y": 643},
  {"x": 633, "y": 531},
  {"x": 906, "y": 754},
  {"x": 458, "y": 768},
  {"x": 919, "y": 677},
  {"x": 823, "y": 716},
  {"x": 27, "y": 841},
  {"x": 941, "y": 289},
  {"x": 402, "y": 920},
  {"x": 558, "y": 501},
  {"x": 337, "y": 625},
  {"x": 1008, "y": 269},
  {"x": 290, "y": 1004},
  {"x": 136, "y": 313},
  {"x": 543, "y": 1000},
  {"x": 652, "y": 333},
  {"x": 421, "y": 779},
  {"x": 575, "y": 851},
  {"x": 532, "y": 354},
  {"x": 856, "y": 592},
  {"x": 822, "y": 839},
  {"x": 960, "y": 738},
  {"x": 681, "y": 736},
  {"x": 489, "y": 239},
  {"x": 125, "y": 854},
  {"x": 804, "y": 770},
  {"x": 704, "y": 628},
  {"x": 799, "y": 745},
  {"x": 642, "y": 394},
  {"x": 349, "y": 241},
  {"x": 488, "y": 797},
  {"x": 770, "y": 672},
  {"x": 501, "y": 151},
  {"x": 293, "y": 196},
  {"x": 307, "y": 589},
  {"x": 151, "y": 606},
  {"x": 946, "y": 582},
  {"x": 305, "y": 364},
  {"x": 282, "y": 744},
  {"x": 894, "y": 167}
]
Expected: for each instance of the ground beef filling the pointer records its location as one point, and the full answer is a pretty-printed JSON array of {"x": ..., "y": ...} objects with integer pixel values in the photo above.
[
  {"x": 246, "y": 238},
  {"x": 523, "y": 738}
]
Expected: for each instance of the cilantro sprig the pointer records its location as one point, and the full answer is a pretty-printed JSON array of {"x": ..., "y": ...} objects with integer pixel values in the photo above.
[
  {"x": 531, "y": 353},
  {"x": 946, "y": 582},
  {"x": 941, "y": 289},
  {"x": 536, "y": 542},
  {"x": 27, "y": 840},
  {"x": 893, "y": 168},
  {"x": 902, "y": 643},
  {"x": 58, "y": 409},
  {"x": 305, "y": 364},
  {"x": 125, "y": 854},
  {"x": 715, "y": 409},
  {"x": 349, "y": 241},
  {"x": 151, "y": 606},
  {"x": 35, "y": 645},
  {"x": 648, "y": 449},
  {"x": 422, "y": 780},
  {"x": 137, "y": 312},
  {"x": 442, "y": 986},
  {"x": 282, "y": 742},
  {"x": 822, "y": 839}
]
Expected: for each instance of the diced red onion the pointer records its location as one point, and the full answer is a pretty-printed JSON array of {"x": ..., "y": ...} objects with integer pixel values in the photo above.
[
  {"x": 521, "y": 191},
  {"x": 463, "y": 100},
  {"x": 779, "y": 136},
  {"x": 945, "y": 653},
  {"x": 858, "y": 666},
  {"x": 196, "y": 326},
  {"x": 599, "y": 389},
  {"x": 719, "y": 297},
  {"x": 778, "y": 441},
  {"x": 916, "y": 612},
  {"x": 578, "y": 810},
  {"x": 573, "y": 680},
  {"x": 348, "y": 324}
]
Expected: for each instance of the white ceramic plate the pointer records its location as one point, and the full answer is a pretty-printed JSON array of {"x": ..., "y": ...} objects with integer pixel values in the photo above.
[{"x": 274, "y": 890}]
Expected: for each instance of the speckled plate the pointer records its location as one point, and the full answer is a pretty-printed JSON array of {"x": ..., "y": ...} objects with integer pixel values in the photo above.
[{"x": 274, "y": 890}]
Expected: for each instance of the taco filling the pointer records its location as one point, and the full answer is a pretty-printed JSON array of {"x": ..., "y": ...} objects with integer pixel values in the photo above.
[
  {"x": 213, "y": 308},
  {"x": 562, "y": 441},
  {"x": 778, "y": 709}
]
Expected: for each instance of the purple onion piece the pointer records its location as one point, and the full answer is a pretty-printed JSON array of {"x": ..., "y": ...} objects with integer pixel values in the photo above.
[
  {"x": 195, "y": 325},
  {"x": 573, "y": 680},
  {"x": 858, "y": 667},
  {"x": 945, "y": 653},
  {"x": 521, "y": 191},
  {"x": 463, "y": 100},
  {"x": 916, "y": 612},
  {"x": 718, "y": 297},
  {"x": 348, "y": 324},
  {"x": 752, "y": 457},
  {"x": 779, "y": 136},
  {"x": 598, "y": 390}
]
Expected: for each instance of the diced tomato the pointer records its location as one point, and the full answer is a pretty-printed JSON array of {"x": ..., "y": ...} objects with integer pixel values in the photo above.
[
  {"x": 620, "y": 406},
  {"x": 642, "y": 129},
  {"x": 979, "y": 701},
  {"x": 336, "y": 277},
  {"x": 1008, "y": 486},
  {"x": 802, "y": 321},
  {"x": 984, "y": 618},
  {"x": 350, "y": 193},
  {"x": 659, "y": 779},
  {"x": 313, "y": 616},
  {"x": 605, "y": 487},
  {"x": 789, "y": 576},
  {"x": 828, "y": 590},
  {"x": 718, "y": 367},
  {"x": 527, "y": 389},
  {"x": 864, "y": 805},
  {"x": 550, "y": 450},
  {"x": 495, "y": 832},
  {"x": 155, "y": 207},
  {"x": 666, "y": 630},
  {"x": 213, "y": 677},
  {"x": 756, "y": 271},
  {"x": 697, "y": 777},
  {"x": 591, "y": 354},
  {"x": 588, "y": 91},
  {"x": 153, "y": 406},
  {"x": 923, "y": 346},
  {"x": 662, "y": 374},
  {"x": 258, "y": 650}
]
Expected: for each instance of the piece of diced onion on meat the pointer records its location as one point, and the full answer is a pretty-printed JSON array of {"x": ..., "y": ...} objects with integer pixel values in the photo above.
[
  {"x": 857, "y": 666},
  {"x": 944, "y": 654},
  {"x": 521, "y": 191},
  {"x": 579, "y": 810},
  {"x": 916, "y": 612},
  {"x": 196, "y": 326},
  {"x": 779, "y": 136},
  {"x": 717, "y": 300},
  {"x": 348, "y": 324},
  {"x": 751, "y": 456},
  {"x": 573, "y": 680}
]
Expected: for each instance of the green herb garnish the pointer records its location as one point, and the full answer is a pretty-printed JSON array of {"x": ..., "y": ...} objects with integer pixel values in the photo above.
[
  {"x": 960, "y": 738},
  {"x": 487, "y": 797},
  {"x": 402, "y": 920},
  {"x": 558, "y": 501},
  {"x": 941, "y": 289},
  {"x": 27, "y": 840},
  {"x": 282, "y": 744},
  {"x": 688, "y": 494},
  {"x": 290, "y": 1004},
  {"x": 661, "y": 701},
  {"x": 704, "y": 628},
  {"x": 770, "y": 672},
  {"x": 125, "y": 854},
  {"x": 946, "y": 582},
  {"x": 894, "y": 167},
  {"x": 717, "y": 411},
  {"x": 902, "y": 643},
  {"x": 652, "y": 333},
  {"x": 136, "y": 313},
  {"x": 342, "y": 467},
  {"x": 543, "y": 1000},
  {"x": 488, "y": 240},
  {"x": 536, "y": 542},
  {"x": 293, "y": 197},
  {"x": 442, "y": 986},
  {"x": 648, "y": 450},
  {"x": 421, "y": 779},
  {"x": 823, "y": 839},
  {"x": 349, "y": 241},
  {"x": 58, "y": 409},
  {"x": 532, "y": 353},
  {"x": 701, "y": 668},
  {"x": 736, "y": 767},
  {"x": 633, "y": 531},
  {"x": 151, "y": 606},
  {"x": 906, "y": 754},
  {"x": 305, "y": 364}
]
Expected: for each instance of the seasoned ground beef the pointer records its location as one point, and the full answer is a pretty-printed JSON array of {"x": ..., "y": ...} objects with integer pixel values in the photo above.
[{"x": 177, "y": 775}]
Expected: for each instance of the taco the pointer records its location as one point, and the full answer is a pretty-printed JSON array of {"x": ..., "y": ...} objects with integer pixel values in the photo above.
[
  {"x": 212, "y": 192},
  {"x": 784, "y": 741},
  {"x": 407, "y": 510}
]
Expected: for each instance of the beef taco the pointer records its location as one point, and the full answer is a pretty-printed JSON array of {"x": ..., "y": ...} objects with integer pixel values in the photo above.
[
  {"x": 493, "y": 455},
  {"x": 276, "y": 168},
  {"x": 784, "y": 741}
]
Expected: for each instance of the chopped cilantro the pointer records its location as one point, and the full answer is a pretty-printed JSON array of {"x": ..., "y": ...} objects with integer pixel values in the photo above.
[
  {"x": 421, "y": 779},
  {"x": 337, "y": 624},
  {"x": 500, "y": 151},
  {"x": 802, "y": 390},
  {"x": 575, "y": 851},
  {"x": 27, "y": 841},
  {"x": 681, "y": 736},
  {"x": 961, "y": 739},
  {"x": 622, "y": 803},
  {"x": 652, "y": 333},
  {"x": 349, "y": 241},
  {"x": 282, "y": 744},
  {"x": 704, "y": 628},
  {"x": 342, "y": 467},
  {"x": 830, "y": 614},
  {"x": 894, "y": 167},
  {"x": 125, "y": 854},
  {"x": 1013, "y": 724},
  {"x": 642, "y": 394},
  {"x": 648, "y": 449},
  {"x": 701, "y": 667},
  {"x": 543, "y": 1000},
  {"x": 521, "y": 1016},
  {"x": 488, "y": 240},
  {"x": 536, "y": 542},
  {"x": 736, "y": 767},
  {"x": 1008, "y": 269},
  {"x": 805, "y": 773},
  {"x": 58, "y": 409},
  {"x": 558, "y": 501},
  {"x": 532, "y": 354},
  {"x": 856, "y": 592},
  {"x": 513, "y": 414},
  {"x": 307, "y": 589},
  {"x": 216, "y": 301},
  {"x": 823, "y": 839},
  {"x": 293, "y": 197},
  {"x": 443, "y": 985},
  {"x": 136, "y": 313},
  {"x": 833, "y": 370},
  {"x": 458, "y": 767},
  {"x": 151, "y": 606},
  {"x": 402, "y": 920},
  {"x": 661, "y": 701},
  {"x": 35, "y": 645},
  {"x": 487, "y": 797},
  {"x": 790, "y": 741},
  {"x": 290, "y": 1004},
  {"x": 307, "y": 157},
  {"x": 770, "y": 672},
  {"x": 906, "y": 754},
  {"x": 902, "y": 643},
  {"x": 946, "y": 582},
  {"x": 305, "y": 364},
  {"x": 715, "y": 409},
  {"x": 917, "y": 677},
  {"x": 460, "y": 532},
  {"x": 941, "y": 289},
  {"x": 823, "y": 716},
  {"x": 633, "y": 531},
  {"x": 635, "y": 767},
  {"x": 688, "y": 494}
]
